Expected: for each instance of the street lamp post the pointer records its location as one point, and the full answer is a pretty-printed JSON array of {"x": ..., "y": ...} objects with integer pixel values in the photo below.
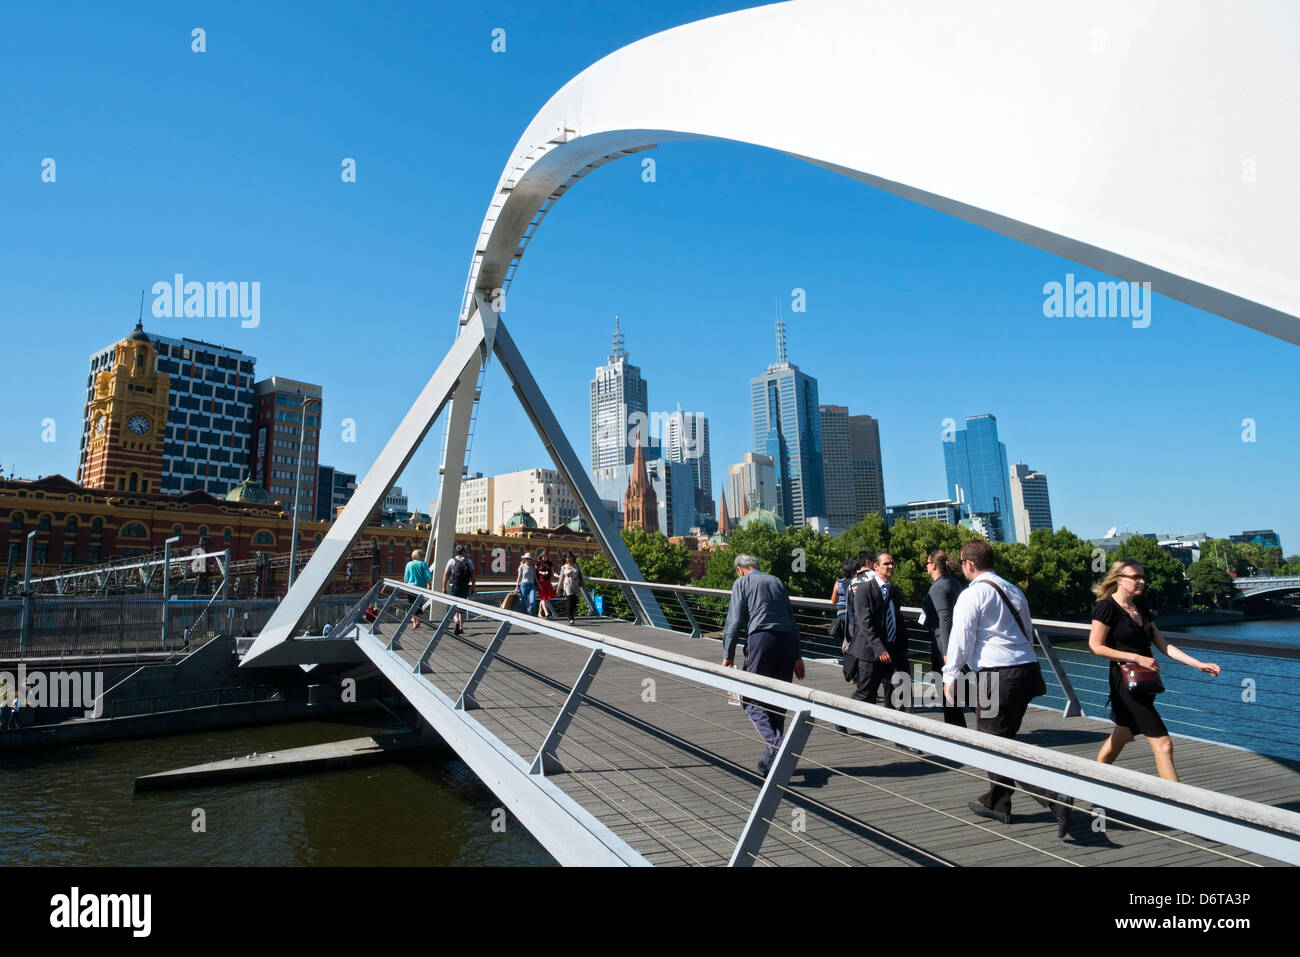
[{"x": 297, "y": 481}]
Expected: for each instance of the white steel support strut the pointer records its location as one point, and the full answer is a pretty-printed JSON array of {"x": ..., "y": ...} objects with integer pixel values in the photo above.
[
  {"x": 458, "y": 416},
  {"x": 345, "y": 531}
]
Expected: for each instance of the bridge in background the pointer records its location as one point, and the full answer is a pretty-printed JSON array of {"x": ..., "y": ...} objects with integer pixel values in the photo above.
[{"x": 1260, "y": 585}]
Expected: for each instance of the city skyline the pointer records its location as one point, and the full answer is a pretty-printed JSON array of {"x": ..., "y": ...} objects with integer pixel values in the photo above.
[{"x": 383, "y": 260}]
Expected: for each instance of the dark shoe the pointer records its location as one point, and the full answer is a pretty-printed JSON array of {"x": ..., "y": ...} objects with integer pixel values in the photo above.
[
  {"x": 1002, "y": 817},
  {"x": 764, "y": 766},
  {"x": 1063, "y": 812},
  {"x": 841, "y": 729},
  {"x": 571, "y": 621}
]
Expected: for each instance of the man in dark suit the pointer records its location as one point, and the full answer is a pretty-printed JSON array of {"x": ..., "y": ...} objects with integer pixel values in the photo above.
[
  {"x": 879, "y": 636},
  {"x": 937, "y": 607}
]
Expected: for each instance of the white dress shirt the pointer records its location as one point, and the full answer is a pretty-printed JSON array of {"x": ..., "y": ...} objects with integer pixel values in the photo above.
[{"x": 984, "y": 632}]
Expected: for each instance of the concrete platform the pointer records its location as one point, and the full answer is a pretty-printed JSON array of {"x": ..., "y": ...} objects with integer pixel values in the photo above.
[{"x": 314, "y": 758}]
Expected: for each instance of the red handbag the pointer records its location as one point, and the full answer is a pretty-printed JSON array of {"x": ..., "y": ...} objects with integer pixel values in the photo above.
[{"x": 1140, "y": 678}]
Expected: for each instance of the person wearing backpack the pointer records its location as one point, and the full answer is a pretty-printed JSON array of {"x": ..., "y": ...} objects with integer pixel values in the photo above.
[
  {"x": 417, "y": 574},
  {"x": 458, "y": 580}
]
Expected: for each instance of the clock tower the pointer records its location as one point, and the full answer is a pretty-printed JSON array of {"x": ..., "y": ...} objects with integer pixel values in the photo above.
[{"x": 127, "y": 420}]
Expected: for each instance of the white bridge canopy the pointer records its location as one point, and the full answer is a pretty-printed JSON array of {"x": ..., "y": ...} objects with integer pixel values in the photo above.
[{"x": 1155, "y": 141}]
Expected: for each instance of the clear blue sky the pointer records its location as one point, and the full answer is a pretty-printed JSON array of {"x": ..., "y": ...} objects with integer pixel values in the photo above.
[{"x": 225, "y": 166}]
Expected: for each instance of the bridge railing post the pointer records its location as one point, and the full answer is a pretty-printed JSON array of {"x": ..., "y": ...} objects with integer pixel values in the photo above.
[
  {"x": 769, "y": 796},
  {"x": 433, "y": 639},
  {"x": 1072, "y": 707},
  {"x": 546, "y": 761},
  {"x": 467, "y": 702}
]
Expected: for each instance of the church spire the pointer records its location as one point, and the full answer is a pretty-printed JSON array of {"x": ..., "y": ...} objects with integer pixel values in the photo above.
[
  {"x": 640, "y": 504},
  {"x": 724, "y": 520}
]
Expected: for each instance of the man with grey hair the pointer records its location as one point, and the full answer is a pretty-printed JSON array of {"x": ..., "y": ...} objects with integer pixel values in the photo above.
[{"x": 760, "y": 610}]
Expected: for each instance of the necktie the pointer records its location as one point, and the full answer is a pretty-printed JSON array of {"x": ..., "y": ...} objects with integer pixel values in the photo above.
[{"x": 890, "y": 626}]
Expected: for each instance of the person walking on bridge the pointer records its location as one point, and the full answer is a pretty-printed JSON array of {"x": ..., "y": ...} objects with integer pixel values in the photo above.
[
  {"x": 1123, "y": 632},
  {"x": 879, "y": 641},
  {"x": 417, "y": 574},
  {"x": 937, "y": 609},
  {"x": 458, "y": 580},
  {"x": 760, "y": 611},
  {"x": 991, "y": 634}
]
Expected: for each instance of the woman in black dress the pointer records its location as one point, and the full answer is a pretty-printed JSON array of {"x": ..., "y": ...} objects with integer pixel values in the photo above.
[{"x": 1123, "y": 630}]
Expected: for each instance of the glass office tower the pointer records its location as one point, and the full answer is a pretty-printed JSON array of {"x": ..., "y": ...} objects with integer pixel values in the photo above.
[
  {"x": 787, "y": 427},
  {"x": 978, "y": 476}
]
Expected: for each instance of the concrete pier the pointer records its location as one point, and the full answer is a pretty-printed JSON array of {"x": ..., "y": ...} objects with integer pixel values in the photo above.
[{"x": 317, "y": 757}]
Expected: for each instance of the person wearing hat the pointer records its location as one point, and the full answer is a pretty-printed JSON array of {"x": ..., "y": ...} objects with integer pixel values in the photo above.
[{"x": 526, "y": 584}]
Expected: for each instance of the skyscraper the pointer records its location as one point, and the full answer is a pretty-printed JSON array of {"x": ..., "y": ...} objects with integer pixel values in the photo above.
[
  {"x": 787, "y": 428},
  {"x": 686, "y": 439},
  {"x": 618, "y": 404},
  {"x": 976, "y": 466},
  {"x": 851, "y": 466},
  {"x": 1030, "y": 504},
  {"x": 282, "y": 440},
  {"x": 751, "y": 484}
]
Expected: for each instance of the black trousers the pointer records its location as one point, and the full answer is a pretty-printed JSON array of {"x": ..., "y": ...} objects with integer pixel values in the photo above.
[
  {"x": 951, "y": 715},
  {"x": 1015, "y": 689},
  {"x": 874, "y": 675}
]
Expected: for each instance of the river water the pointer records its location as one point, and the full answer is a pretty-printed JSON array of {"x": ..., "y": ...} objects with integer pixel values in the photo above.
[{"x": 76, "y": 806}]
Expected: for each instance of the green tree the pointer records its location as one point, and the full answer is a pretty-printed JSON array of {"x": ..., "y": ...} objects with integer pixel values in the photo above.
[
  {"x": 1228, "y": 555},
  {"x": 1291, "y": 566},
  {"x": 1166, "y": 583},
  {"x": 869, "y": 534},
  {"x": 1061, "y": 586},
  {"x": 1015, "y": 562},
  {"x": 911, "y": 542},
  {"x": 660, "y": 560},
  {"x": 1210, "y": 582},
  {"x": 615, "y": 603},
  {"x": 815, "y": 559}
]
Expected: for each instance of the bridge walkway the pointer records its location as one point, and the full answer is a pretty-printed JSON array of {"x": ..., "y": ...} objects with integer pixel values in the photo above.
[{"x": 670, "y": 767}]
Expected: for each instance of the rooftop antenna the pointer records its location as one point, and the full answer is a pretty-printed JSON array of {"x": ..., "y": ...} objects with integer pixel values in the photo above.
[
  {"x": 619, "y": 352},
  {"x": 139, "y": 322},
  {"x": 780, "y": 333}
]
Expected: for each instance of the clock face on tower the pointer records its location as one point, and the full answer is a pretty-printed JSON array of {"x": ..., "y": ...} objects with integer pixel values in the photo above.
[{"x": 138, "y": 424}]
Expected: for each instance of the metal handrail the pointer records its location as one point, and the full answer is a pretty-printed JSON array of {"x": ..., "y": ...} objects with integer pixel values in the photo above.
[{"x": 1270, "y": 831}]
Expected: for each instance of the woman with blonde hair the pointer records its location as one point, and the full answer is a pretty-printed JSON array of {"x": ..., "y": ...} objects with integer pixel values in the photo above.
[{"x": 1123, "y": 631}]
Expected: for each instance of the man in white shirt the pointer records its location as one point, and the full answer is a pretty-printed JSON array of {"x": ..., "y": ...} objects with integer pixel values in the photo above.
[{"x": 991, "y": 632}]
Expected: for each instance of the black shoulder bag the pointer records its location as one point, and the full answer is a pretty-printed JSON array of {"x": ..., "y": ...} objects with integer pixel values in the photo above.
[{"x": 1040, "y": 686}]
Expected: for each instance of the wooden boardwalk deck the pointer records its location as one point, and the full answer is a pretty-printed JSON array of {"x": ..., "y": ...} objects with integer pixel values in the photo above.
[{"x": 676, "y": 777}]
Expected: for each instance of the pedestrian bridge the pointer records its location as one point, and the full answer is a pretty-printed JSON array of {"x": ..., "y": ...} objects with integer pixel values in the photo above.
[
  {"x": 613, "y": 742},
  {"x": 1266, "y": 585}
]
